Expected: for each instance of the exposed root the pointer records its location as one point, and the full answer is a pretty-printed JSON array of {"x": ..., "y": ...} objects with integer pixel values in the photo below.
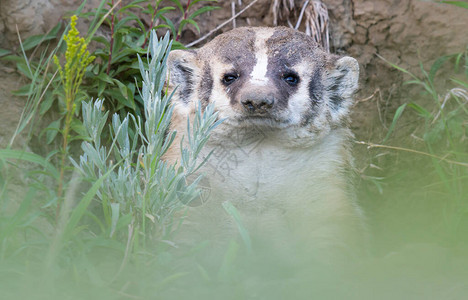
[
  {"x": 281, "y": 9},
  {"x": 313, "y": 18},
  {"x": 316, "y": 23}
]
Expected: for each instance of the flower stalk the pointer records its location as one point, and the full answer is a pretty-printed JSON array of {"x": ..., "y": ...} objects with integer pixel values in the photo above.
[{"x": 77, "y": 58}]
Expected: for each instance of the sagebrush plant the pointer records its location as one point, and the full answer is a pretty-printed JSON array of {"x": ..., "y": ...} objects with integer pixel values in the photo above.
[{"x": 143, "y": 185}]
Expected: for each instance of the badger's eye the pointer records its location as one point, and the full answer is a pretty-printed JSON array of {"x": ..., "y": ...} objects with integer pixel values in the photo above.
[
  {"x": 230, "y": 78},
  {"x": 291, "y": 79}
]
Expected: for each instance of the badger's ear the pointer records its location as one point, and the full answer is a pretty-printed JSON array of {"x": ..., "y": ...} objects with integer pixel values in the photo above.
[
  {"x": 341, "y": 84},
  {"x": 182, "y": 66}
]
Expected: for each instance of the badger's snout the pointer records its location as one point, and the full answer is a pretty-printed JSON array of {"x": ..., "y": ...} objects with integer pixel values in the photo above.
[
  {"x": 257, "y": 100},
  {"x": 255, "y": 103}
]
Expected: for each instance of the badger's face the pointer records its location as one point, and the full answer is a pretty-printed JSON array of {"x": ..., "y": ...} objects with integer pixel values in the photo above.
[{"x": 274, "y": 77}]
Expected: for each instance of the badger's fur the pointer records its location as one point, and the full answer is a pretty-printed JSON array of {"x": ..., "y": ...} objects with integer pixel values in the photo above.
[{"x": 281, "y": 156}]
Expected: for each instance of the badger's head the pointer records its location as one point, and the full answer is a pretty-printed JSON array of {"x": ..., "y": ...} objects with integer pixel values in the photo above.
[{"x": 273, "y": 77}]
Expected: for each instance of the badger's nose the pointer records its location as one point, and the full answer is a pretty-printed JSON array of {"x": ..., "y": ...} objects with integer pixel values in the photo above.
[{"x": 256, "y": 103}]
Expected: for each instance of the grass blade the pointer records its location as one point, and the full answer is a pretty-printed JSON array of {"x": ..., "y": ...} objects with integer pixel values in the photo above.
[
  {"x": 31, "y": 157},
  {"x": 80, "y": 210},
  {"x": 397, "y": 116},
  {"x": 462, "y": 4},
  {"x": 232, "y": 211}
]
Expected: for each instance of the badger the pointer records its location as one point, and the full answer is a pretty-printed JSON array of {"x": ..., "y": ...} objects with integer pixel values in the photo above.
[{"x": 281, "y": 157}]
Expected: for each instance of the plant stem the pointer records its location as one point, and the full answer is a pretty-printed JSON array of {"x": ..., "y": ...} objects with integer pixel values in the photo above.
[
  {"x": 371, "y": 145},
  {"x": 66, "y": 131},
  {"x": 186, "y": 9},
  {"x": 185, "y": 18},
  {"x": 151, "y": 24},
  {"x": 111, "y": 41}
]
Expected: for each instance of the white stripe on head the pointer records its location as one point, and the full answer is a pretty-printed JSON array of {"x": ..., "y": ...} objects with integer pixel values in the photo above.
[{"x": 258, "y": 75}]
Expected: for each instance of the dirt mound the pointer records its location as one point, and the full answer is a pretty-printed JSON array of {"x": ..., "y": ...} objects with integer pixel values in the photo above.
[{"x": 11, "y": 108}]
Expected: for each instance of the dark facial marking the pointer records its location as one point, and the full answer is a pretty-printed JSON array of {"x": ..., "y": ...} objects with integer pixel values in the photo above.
[
  {"x": 334, "y": 91},
  {"x": 283, "y": 77},
  {"x": 234, "y": 86},
  {"x": 236, "y": 48},
  {"x": 286, "y": 48},
  {"x": 206, "y": 85},
  {"x": 316, "y": 87},
  {"x": 186, "y": 86},
  {"x": 290, "y": 47}
]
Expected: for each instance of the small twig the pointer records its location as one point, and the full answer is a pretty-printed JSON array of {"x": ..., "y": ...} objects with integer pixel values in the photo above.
[
  {"x": 414, "y": 136},
  {"x": 220, "y": 26},
  {"x": 274, "y": 8},
  {"x": 371, "y": 145},
  {"x": 377, "y": 90},
  {"x": 233, "y": 11},
  {"x": 299, "y": 20}
]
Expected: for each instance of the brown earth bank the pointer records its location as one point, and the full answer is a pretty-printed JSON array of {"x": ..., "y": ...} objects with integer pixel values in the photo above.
[{"x": 405, "y": 32}]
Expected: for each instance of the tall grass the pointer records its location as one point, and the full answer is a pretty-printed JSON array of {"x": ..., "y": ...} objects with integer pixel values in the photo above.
[{"x": 422, "y": 163}]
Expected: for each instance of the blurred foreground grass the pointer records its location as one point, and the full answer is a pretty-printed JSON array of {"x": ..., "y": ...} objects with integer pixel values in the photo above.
[{"x": 417, "y": 213}]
